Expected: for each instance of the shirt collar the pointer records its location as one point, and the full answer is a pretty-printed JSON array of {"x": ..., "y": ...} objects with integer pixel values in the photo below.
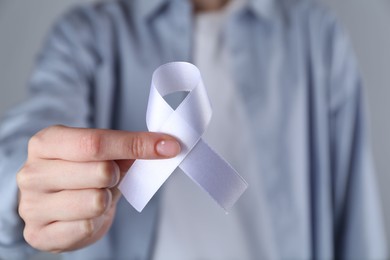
[{"x": 262, "y": 8}]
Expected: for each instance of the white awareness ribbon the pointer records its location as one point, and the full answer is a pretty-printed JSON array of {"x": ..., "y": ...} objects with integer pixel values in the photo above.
[{"x": 187, "y": 123}]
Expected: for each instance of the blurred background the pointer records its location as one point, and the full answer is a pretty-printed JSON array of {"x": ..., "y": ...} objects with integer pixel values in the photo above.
[{"x": 23, "y": 25}]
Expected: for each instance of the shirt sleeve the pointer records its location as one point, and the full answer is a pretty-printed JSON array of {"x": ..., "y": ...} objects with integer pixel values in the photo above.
[
  {"x": 59, "y": 93},
  {"x": 359, "y": 229}
]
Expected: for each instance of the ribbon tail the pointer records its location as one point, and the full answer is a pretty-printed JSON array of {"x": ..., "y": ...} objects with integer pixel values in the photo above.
[{"x": 214, "y": 175}]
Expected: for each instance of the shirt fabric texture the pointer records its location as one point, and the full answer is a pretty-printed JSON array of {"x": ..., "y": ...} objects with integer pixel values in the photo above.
[{"x": 296, "y": 73}]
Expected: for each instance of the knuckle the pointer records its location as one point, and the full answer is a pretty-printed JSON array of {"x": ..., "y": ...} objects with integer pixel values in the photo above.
[
  {"x": 32, "y": 237},
  {"x": 104, "y": 174},
  {"x": 35, "y": 238},
  {"x": 23, "y": 180},
  {"x": 138, "y": 146},
  {"x": 23, "y": 210},
  {"x": 91, "y": 144},
  {"x": 26, "y": 209},
  {"x": 25, "y": 177},
  {"x": 34, "y": 143},
  {"x": 99, "y": 201},
  {"x": 87, "y": 228}
]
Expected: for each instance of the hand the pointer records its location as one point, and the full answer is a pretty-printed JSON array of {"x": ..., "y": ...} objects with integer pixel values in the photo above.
[{"x": 67, "y": 186}]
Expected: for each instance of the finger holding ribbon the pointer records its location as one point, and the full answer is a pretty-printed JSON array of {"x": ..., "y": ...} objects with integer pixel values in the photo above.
[{"x": 187, "y": 123}]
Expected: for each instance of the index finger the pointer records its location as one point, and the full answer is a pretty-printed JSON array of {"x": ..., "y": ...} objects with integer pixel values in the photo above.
[{"x": 82, "y": 144}]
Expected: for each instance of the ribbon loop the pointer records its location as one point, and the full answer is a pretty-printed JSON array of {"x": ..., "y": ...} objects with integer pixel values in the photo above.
[{"x": 187, "y": 123}]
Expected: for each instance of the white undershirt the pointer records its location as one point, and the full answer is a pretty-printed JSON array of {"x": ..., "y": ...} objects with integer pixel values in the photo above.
[{"x": 191, "y": 224}]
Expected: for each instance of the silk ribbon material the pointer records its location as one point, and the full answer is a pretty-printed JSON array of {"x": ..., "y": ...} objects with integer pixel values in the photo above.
[{"x": 187, "y": 123}]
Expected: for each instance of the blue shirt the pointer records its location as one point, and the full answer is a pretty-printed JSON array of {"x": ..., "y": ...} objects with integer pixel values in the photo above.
[{"x": 302, "y": 91}]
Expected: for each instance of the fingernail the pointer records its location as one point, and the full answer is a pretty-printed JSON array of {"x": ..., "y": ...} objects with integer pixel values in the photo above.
[
  {"x": 108, "y": 199},
  {"x": 115, "y": 175},
  {"x": 168, "y": 148}
]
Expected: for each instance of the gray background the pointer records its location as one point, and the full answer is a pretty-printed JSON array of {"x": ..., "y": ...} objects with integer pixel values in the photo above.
[{"x": 23, "y": 25}]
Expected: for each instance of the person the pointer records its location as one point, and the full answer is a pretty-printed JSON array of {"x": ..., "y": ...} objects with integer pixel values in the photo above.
[{"x": 288, "y": 115}]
